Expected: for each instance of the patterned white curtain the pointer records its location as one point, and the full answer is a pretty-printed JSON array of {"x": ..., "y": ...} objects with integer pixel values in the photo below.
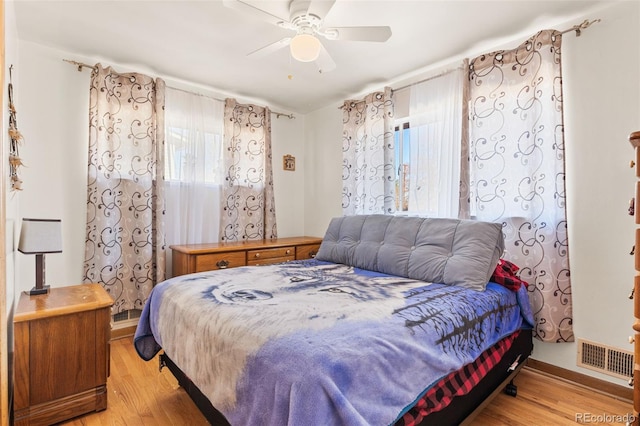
[
  {"x": 125, "y": 248},
  {"x": 368, "y": 155},
  {"x": 517, "y": 170},
  {"x": 248, "y": 206}
]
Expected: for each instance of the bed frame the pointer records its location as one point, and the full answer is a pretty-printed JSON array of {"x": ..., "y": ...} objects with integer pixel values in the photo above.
[
  {"x": 460, "y": 411},
  {"x": 446, "y": 251}
]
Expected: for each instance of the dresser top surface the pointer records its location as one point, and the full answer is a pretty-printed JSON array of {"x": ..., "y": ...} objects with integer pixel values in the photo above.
[
  {"x": 62, "y": 301},
  {"x": 244, "y": 245}
]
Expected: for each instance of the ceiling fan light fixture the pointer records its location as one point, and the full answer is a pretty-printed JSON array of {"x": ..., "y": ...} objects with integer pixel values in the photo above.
[{"x": 305, "y": 47}]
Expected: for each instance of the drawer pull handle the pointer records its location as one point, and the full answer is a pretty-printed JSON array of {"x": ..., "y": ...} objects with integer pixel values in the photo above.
[
  {"x": 257, "y": 254},
  {"x": 632, "y": 206},
  {"x": 632, "y": 164},
  {"x": 288, "y": 251},
  {"x": 223, "y": 264},
  {"x": 631, "y": 339},
  {"x": 312, "y": 254}
]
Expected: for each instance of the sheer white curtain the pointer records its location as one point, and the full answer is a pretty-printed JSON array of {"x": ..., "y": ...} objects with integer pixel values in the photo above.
[
  {"x": 194, "y": 170},
  {"x": 435, "y": 123}
]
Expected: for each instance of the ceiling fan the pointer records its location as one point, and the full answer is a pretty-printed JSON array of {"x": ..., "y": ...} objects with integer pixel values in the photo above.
[{"x": 306, "y": 19}]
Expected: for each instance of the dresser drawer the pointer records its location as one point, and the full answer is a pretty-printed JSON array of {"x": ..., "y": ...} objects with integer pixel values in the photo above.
[
  {"x": 636, "y": 296},
  {"x": 308, "y": 251},
  {"x": 213, "y": 261},
  {"x": 271, "y": 253},
  {"x": 637, "y": 250},
  {"x": 636, "y": 200},
  {"x": 269, "y": 261},
  {"x": 190, "y": 258}
]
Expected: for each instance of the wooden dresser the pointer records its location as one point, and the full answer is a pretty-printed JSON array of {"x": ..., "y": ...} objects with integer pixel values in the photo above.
[
  {"x": 192, "y": 258},
  {"x": 634, "y": 210},
  {"x": 61, "y": 354}
]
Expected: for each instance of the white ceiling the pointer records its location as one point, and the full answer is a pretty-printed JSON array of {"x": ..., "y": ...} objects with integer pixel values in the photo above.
[{"x": 205, "y": 43}]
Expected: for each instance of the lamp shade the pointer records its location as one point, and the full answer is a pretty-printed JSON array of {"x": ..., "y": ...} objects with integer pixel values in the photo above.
[
  {"x": 305, "y": 47},
  {"x": 40, "y": 236}
]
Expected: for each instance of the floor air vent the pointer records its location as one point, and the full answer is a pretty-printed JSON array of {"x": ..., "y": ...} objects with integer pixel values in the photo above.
[
  {"x": 127, "y": 315},
  {"x": 605, "y": 359}
]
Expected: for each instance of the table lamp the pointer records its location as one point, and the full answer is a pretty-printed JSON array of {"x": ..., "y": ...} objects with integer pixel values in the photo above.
[{"x": 40, "y": 236}]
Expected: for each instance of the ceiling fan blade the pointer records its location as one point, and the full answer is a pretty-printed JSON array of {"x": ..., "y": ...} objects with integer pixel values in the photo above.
[
  {"x": 270, "y": 48},
  {"x": 324, "y": 62},
  {"x": 320, "y": 8},
  {"x": 250, "y": 10},
  {"x": 379, "y": 34}
]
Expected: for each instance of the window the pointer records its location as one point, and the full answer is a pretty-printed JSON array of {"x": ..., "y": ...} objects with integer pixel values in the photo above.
[
  {"x": 403, "y": 165},
  {"x": 428, "y": 147},
  {"x": 424, "y": 171},
  {"x": 188, "y": 161},
  {"x": 193, "y": 167}
]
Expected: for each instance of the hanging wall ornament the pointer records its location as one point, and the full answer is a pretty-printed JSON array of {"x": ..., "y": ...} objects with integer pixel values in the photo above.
[{"x": 15, "y": 138}]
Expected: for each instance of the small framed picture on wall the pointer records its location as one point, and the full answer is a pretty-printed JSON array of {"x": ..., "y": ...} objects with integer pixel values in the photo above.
[{"x": 289, "y": 163}]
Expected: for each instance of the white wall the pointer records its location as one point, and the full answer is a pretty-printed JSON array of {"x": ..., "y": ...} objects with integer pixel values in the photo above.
[
  {"x": 11, "y": 200},
  {"x": 323, "y": 178},
  {"x": 11, "y": 204},
  {"x": 601, "y": 71},
  {"x": 287, "y": 139},
  {"x": 602, "y": 106},
  {"x": 53, "y": 118}
]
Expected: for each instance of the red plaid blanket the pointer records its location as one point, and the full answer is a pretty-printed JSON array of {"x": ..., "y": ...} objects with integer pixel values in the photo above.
[
  {"x": 506, "y": 275},
  {"x": 457, "y": 383},
  {"x": 462, "y": 381}
]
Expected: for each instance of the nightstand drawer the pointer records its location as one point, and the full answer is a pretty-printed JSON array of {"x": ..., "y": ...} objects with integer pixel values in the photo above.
[
  {"x": 307, "y": 251},
  {"x": 210, "y": 262},
  {"x": 272, "y": 253}
]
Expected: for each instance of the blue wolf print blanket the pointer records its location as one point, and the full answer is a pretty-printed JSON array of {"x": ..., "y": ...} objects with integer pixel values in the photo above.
[{"x": 317, "y": 343}]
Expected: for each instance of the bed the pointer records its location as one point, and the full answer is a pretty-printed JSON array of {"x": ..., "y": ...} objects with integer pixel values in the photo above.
[{"x": 395, "y": 321}]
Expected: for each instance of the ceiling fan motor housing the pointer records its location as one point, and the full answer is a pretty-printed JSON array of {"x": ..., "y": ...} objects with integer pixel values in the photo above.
[{"x": 304, "y": 24}]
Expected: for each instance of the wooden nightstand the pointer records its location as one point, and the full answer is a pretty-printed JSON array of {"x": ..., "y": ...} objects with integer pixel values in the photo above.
[{"x": 61, "y": 354}]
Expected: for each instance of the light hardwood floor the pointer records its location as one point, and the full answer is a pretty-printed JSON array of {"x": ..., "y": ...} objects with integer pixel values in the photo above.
[{"x": 138, "y": 394}]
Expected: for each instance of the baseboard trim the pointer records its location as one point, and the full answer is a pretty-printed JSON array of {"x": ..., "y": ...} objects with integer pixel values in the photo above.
[
  {"x": 119, "y": 333},
  {"x": 598, "y": 385}
]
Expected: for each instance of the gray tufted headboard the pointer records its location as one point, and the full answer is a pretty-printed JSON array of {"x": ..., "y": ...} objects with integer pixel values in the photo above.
[{"x": 448, "y": 251}]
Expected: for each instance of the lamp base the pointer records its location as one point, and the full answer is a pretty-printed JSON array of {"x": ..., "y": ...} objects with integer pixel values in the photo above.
[{"x": 35, "y": 290}]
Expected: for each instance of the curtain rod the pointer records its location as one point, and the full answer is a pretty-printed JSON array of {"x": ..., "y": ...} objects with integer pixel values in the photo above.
[
  {"x": 82, "y": 65},
  {"x": 440, "y": 74},
  {"x": 431, "y": 77},
  {"x": 577, "y": 28}
]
